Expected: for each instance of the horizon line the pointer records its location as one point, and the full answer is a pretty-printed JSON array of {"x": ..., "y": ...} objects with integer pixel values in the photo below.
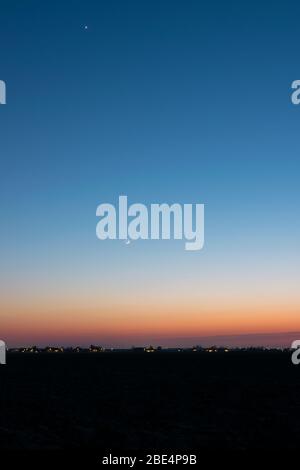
[{"x": 274, "y": 339}]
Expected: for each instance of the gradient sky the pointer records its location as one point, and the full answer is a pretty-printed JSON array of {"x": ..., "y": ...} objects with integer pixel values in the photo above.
[{"x": 165, "y": 101}]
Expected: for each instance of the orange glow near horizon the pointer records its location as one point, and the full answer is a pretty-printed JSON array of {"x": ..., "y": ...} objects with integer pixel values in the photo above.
[{"x": 136, "y": 322}]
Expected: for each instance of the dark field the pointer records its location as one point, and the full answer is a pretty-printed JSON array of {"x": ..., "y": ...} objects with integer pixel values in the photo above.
[{"x": 150, "y": 401}]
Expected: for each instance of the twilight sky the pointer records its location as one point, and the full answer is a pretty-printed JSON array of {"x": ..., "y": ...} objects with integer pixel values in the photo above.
[{"x": 164, "y": 101}]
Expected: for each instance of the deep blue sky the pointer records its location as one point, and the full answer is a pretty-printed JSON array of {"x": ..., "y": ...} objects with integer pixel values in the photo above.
[{"x": 165, "y": 101}]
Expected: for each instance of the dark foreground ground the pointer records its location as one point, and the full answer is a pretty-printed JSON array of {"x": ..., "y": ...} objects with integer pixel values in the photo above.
[{"x": 150, "y": 401}]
